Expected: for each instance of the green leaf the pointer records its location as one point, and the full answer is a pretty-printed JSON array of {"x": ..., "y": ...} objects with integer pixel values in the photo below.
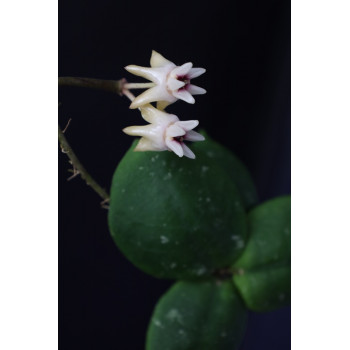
[
  {"x": 237, "y": 171},
  {"x": 198, "y": 316},
  {"x": 269, "y": 234},
  {"x": 265, "y": 288},
  {"x": 176, "y": 217},
  {"x": 263, "y": 270}
]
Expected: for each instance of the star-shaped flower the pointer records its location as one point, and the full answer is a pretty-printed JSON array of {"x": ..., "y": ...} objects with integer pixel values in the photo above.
[
  {"x": 171, "y": 82},
  {"x": 165, "y": 132}
]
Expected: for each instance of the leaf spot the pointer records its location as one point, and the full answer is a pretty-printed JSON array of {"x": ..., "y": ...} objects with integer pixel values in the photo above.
[
  {"x": 210, "y": 154},
  {"x": 158, "y": 323},
  {"x": 164, "y": 240},
  {"x": 181, "y": 332},
  {"x": 204, "y": 169},
  {"x": 201, "y": 271},
  {"x": 168, "y": 176},
  {"x": 174, "y": 316},
  {"x": 240, "y": 244}
]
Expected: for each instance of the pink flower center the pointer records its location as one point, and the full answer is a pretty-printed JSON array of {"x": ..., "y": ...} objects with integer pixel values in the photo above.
[
  {"x": 185, "y": 79},
  {"x": 179, "y": 139}
]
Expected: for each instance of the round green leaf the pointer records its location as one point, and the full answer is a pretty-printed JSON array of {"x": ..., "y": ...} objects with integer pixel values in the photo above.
[
  {"x": 236, "y": 170},
  {"x": 266, "y": 288},
  {"x": 176, "y": 217},
  {"x": 198, "y": 316},
  {"x": 269, "y": 234},
  {"x": 262, "y": 273}
]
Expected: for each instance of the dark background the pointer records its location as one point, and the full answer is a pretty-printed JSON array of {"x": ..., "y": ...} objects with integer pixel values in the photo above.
[{"x": 104, "y": 301}]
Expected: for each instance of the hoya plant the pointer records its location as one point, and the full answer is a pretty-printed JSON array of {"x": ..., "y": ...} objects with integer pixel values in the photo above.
[{"x": 192, "y": 215}]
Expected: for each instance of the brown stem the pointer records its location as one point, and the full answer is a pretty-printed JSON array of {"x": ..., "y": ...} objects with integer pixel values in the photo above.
[
  {"x": 114, "y": 86},
  {"x": 78, "y": 167}
]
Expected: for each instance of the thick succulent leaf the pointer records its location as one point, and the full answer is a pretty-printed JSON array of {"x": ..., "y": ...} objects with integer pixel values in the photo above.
[
  {"x": 198, "y": 316},
  {"x": 176, "y": 217},
  {"x": 266, "y": 288},
  {"x": 237, "y": 171},
  {"x": 262, "y": 273},
  {"x": 269, "y": 234}
]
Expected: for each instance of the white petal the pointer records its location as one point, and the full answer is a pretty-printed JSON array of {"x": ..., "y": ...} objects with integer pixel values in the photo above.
[
  {"x": 145, "y": 145},
  {"x": 175, "y": 131},
  {"x": 137, "y": 130},
  {"x": 187, "y": 152},
  {"x": 182, "y": 70},
  {"x": 195, "y": 72},
  {"x": 132, "y": 130},
  {"x": 161, "y": 105},
  {"x": 157, "y": 60},
  {"x": 148, "y": 113},
  {"x": 195, "y": 90},
  {"x": 193, "y": 136},
  {"x": 175, "y": 147},
  {"x": 157, "y": 93},
  {"x": 184, "y": 95},
  {"x": 187, "y": 124},
  {"x": 147, "y": 73},
  {"x": 153, "y": 115},
  {"x": 174, "y": 84}
]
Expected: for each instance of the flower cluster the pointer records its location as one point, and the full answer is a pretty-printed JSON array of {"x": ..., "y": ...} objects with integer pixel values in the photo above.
[{"x": 169, "y": 83}]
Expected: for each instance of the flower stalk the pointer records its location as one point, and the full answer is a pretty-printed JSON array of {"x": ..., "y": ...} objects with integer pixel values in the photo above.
[
  {"x": 114, "y": 86},
  {"x": 139, "y": 85}
]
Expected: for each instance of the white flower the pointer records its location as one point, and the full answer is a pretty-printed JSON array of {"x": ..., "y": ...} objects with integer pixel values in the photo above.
[
  {"x": 171, "y": 82},
  {"x": 165, "y": 132}
]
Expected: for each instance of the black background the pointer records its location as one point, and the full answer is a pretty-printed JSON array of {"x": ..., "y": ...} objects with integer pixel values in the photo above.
[{"x": 104, "y": 301}]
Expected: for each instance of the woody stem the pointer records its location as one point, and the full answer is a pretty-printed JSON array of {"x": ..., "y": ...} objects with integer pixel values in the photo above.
[
  {"x": 114, "y": 86},
  {"x": 79, "y": 168}
]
